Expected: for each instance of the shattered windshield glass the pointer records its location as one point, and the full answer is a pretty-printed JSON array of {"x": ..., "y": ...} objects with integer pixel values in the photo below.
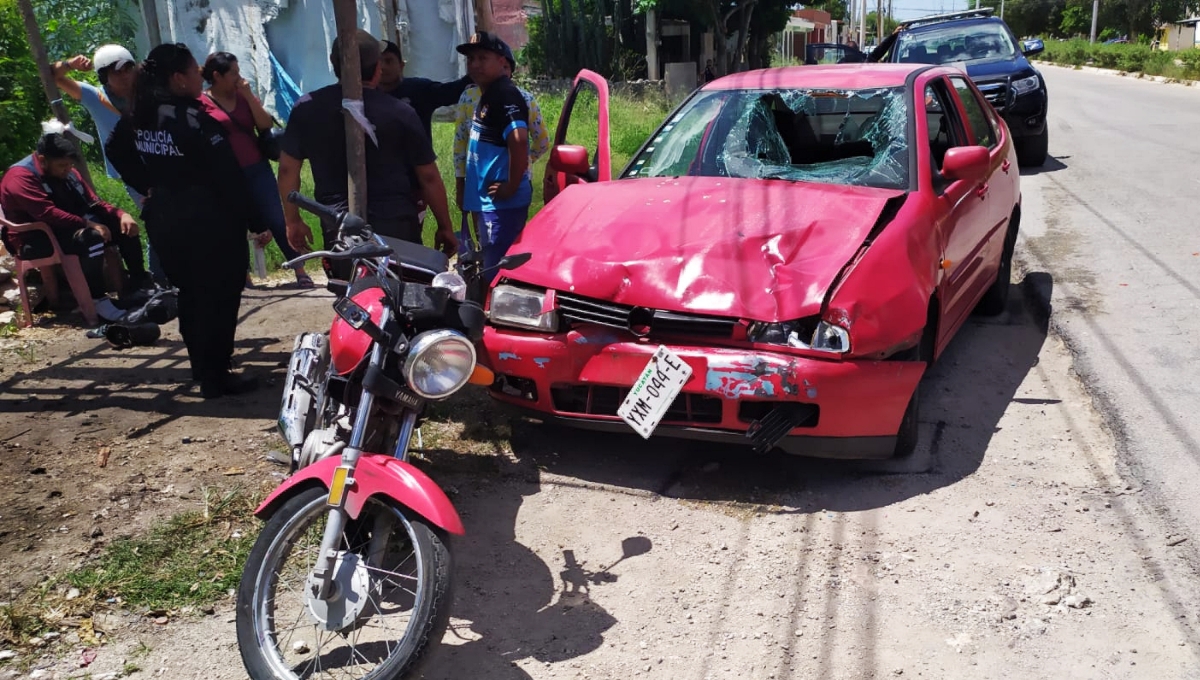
[
  {"x": 956, "y": 43},
  {"x": 853, "y": 137}
]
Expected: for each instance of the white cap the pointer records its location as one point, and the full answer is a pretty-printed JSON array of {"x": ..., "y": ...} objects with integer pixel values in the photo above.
[{"x": 111, "y": 55}]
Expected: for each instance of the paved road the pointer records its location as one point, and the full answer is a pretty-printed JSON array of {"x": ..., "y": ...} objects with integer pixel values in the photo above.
[{"x": 1115, "y": 219}]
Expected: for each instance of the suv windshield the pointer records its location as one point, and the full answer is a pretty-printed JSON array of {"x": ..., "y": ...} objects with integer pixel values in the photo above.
[
  {"x": 854, "y": 137},
  {"x": 955, "y": 42}
]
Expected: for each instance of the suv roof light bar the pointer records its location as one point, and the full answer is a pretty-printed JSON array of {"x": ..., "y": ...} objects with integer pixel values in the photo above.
[{"x": 938, "y": 18}]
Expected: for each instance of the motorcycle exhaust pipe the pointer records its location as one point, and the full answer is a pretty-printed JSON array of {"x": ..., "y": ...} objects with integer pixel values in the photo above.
[{"x": 306, "y": 371}]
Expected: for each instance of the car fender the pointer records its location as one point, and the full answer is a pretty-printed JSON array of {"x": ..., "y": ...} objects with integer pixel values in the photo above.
[{"x": 375, "y": 474}]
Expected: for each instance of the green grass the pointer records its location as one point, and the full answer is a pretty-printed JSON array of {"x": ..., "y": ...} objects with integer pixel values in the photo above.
[
  {"x": 192, "y": 559},
  {"x": 632, "y": 120}
]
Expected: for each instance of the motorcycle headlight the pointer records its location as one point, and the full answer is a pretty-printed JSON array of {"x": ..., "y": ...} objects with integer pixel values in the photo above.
[
  {"x": 521, "y": 307},
  {"x": 439, "y": 363},
  {"x": 1026, "y": 85},
  {"x": 807, "y": 333}
]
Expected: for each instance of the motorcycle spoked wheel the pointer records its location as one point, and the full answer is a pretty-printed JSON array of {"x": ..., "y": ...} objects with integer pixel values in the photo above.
[{"x": 389, "y": 607}]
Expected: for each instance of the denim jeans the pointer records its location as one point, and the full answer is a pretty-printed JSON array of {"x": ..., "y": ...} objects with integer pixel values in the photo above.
[
  {"x": 498, "y": 230},
  {"x": 264, "y": 189}
]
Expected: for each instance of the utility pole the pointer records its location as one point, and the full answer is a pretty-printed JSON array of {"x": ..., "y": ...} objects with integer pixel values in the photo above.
[
  {"x": 862, "y": 25},
  {"x": 345, "y": 17},
  {"x": 1095, "y": 13},
  {"x": 38, "y": 48},
  {"x": 879, "y": 21}
]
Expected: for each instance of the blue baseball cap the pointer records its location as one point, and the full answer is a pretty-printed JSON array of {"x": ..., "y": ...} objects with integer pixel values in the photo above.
[{"x": 482, "y": 40}]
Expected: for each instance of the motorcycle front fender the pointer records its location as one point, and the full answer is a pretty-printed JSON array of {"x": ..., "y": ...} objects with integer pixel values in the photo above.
[{"x": 375, "y": 475}]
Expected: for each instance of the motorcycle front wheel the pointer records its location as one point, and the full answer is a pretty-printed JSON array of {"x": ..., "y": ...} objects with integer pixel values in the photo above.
[{"x": 391, "y": 594}]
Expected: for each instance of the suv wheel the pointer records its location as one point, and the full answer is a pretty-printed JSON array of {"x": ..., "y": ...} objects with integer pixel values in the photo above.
[{"x": 1032, "y": 151}]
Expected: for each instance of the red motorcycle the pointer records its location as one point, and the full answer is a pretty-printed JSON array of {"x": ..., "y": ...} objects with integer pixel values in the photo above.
[{"x": 351, "y": 573}]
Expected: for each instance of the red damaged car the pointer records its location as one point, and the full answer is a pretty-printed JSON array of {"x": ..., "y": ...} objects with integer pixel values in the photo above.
[{"x": 776, "y": 267}]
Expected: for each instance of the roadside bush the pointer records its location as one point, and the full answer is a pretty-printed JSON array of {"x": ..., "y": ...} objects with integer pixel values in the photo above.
[{"x": 1131, "y": 58}]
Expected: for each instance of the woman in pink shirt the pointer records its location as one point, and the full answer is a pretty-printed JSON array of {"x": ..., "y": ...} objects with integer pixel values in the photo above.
[{"x": 231, "y": 102}]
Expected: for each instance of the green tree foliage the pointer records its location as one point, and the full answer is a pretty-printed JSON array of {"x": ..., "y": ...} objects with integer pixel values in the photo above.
[
  {"x": 22, "y": 101},
  {"x": 68, "y": 27},
  {"x": 1071, "y": 18}
]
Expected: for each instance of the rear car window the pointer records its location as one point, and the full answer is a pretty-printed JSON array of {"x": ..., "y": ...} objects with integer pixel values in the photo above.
[{"x": 854, "y": 137}]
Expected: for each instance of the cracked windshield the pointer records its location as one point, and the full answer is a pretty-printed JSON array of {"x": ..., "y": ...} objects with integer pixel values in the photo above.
[
  {"x": 953, "y": 44},
  {"x": 851, "y": 137}
]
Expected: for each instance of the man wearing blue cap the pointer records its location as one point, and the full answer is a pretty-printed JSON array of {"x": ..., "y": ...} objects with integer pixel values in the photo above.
[{"x": 496, "y": 188}]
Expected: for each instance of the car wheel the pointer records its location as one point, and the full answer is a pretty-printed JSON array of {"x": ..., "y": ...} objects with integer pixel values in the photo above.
[
  {"x": 908, "y": 457},
  {"x": 1032, "y": 151},
  {"x": 995, "y": 300}
]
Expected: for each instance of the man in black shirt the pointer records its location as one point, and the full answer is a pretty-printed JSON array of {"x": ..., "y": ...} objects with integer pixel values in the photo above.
[
  {"x": 424, "y": 95},
  {"x": 400, "y": 152}
]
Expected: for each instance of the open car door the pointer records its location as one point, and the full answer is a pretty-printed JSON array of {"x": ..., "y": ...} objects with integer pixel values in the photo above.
[
  {"x": 581, "y": 150},
  {"x": 832, "y": 53}
]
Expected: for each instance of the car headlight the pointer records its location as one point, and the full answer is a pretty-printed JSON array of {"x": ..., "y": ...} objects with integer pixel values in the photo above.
[
  {"x": 439, "y": 363},
  {"x": 521, "y": 307},
  {"x": 1026, "y": 85},
  {"x": 809, "y": 333}
]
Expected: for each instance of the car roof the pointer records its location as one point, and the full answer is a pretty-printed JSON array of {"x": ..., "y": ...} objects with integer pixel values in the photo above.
[{"x": 832, "y": 76}]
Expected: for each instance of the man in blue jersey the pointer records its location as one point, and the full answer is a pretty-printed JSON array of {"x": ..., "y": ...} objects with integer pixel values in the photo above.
[{"x": 496, "y": 188}]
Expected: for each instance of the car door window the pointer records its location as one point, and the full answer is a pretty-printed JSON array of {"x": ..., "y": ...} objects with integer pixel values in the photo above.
[
  {"x": 582, "y": 129},
  {"x": 941, "y": 116},
  {"x": 976, "y": 116}
]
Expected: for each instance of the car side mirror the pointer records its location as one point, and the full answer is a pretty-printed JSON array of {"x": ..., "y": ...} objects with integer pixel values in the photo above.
[
  {"x": 570, "y": 159},
  {"x": 1032, "y": 47},
  {"x": 966, "y": 163}
]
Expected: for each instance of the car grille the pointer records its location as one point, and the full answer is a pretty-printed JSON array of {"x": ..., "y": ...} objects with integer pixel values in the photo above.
[
  {"x": 602, "y": 400},
  {"x": 641, "y": 321},
  {"x": 995, "y": 93}
]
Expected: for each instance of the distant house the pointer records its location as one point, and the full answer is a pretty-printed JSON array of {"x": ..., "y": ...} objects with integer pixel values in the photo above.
[
  {"x": 1183, "y": 35},
  {"x": 510, "y": 18},
  {"x": 805, "y": 27}
]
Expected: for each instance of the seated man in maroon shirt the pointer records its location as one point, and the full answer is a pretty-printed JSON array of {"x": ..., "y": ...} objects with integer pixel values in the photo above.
[{"x": 45, "y": 187}]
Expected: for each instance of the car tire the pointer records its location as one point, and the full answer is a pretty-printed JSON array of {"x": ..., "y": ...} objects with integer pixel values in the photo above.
[
  {"x": 909, "y": 457},
  {"x": 995, "y": 300},
  {"x": 1032, "y": 151}
]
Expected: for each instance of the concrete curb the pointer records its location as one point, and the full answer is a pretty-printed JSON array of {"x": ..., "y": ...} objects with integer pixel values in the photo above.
[{"x": 1122, "y": 74}]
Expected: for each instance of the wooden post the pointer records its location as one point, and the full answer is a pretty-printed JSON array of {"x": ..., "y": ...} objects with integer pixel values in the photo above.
[
  {"x": 150, "y": 16},
  {"x": 484, "y": 20},
  {"x": 38, "y": 48},
  {"x": 345, "y": 15}
]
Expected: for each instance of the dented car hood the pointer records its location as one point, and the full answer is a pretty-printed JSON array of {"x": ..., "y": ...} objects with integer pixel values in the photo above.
[{"x": 764, "y": 250}]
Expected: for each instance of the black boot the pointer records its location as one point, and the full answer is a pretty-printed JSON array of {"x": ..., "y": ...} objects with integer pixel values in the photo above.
[{"x": 220, "y": 384}]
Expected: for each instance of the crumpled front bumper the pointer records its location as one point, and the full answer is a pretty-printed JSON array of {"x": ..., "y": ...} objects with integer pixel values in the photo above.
[{"x": 853, "y": 408}]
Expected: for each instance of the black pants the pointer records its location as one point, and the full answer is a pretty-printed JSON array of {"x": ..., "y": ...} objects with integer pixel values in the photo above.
[
  {"x": 89, "y": 246},
  {"x": 204, "y": 255}
]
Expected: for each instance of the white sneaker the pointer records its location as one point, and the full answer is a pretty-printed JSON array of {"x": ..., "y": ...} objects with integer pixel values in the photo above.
[{"x": 106, "y": 310}]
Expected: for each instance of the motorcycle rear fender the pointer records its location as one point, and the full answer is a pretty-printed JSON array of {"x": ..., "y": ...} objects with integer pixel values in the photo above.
[{"x": 375, "y": 475}]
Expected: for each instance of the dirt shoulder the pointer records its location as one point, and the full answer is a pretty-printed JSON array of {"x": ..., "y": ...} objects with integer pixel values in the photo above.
[{"x": 1022, "y": 555}]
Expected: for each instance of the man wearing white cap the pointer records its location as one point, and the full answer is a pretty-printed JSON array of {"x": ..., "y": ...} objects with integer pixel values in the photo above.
[{"x": 117, "y": 71}]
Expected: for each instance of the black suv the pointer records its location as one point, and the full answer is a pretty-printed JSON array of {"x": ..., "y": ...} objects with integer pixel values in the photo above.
[{"x": 993, "y": 58}]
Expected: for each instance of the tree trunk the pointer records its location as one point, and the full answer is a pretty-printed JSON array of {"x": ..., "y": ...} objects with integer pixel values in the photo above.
[{"x": 743, "y": 34}]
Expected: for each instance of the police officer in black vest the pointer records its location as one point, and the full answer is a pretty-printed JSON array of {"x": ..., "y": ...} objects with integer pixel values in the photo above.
[{"x": 198, "y": 208}]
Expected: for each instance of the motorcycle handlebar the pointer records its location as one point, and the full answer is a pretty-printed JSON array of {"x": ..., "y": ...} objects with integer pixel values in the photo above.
[{"x": 318, "y": 209}]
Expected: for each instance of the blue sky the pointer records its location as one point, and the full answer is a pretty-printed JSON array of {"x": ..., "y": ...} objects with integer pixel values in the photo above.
[{"x": 911, "y": 9}]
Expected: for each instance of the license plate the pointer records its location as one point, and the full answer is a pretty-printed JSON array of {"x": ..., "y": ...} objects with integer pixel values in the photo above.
[{"x": 654, "y": 390}]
